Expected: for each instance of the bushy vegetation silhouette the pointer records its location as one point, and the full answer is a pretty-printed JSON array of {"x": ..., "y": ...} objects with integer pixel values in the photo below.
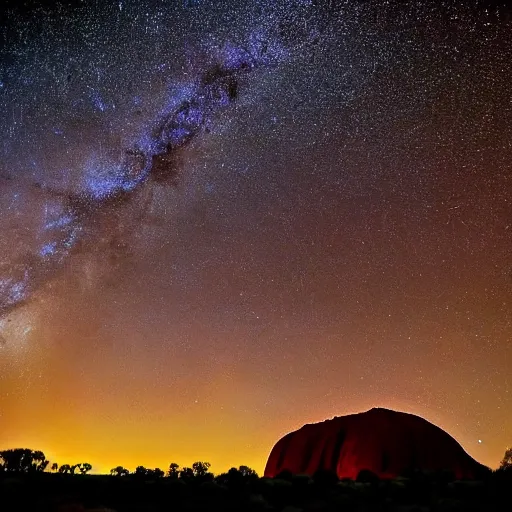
[
  {"x": 173, "y": 471},
  {"x": 23, "y": 460},
  {"x": 506, "y": 463},
  {"x": 119, "y": 471},
  {"x": 28, "y": 482}
]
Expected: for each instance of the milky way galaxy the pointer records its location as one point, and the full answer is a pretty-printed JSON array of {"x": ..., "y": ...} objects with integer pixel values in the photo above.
[
  {"x": 222, "y": 220},
  {"x": 66, "y": 196}
]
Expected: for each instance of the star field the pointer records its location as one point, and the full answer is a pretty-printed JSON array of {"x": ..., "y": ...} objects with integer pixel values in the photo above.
[{"x": 222, "y": 220}]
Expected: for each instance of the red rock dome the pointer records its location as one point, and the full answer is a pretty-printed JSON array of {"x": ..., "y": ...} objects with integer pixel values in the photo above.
[{"x": 383, "y": 441}]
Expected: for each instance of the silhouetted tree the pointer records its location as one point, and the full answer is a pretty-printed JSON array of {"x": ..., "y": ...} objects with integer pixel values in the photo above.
[
  {"x": 119, "y": 471},
  {"x": 247, "y": 472},
  {"x": 73, "y": 468},
  {"x": 140, "y": 471},
  {"x": 200, "y": 468},
  {"x": 187, "y": 473},
  {"x": 39, "y": 461},
  {"x": 173, "y": 470},
  {"x": 506, "y": 463},
  {"x": 55, "y": 466},
  {"x": 157, "y": 473},
  {"x": 23, "y": 460},
  {"x": 84, "y": 467},
  {"x": 236, "y": 478},
  {"x": 65, "y": 468}
]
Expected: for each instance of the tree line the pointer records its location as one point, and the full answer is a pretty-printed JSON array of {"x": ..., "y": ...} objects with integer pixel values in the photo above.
[{"x": 25, "y": 460}]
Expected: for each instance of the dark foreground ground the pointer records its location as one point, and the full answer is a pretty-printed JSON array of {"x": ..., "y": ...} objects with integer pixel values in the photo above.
[{"x": 421, "y": 493}]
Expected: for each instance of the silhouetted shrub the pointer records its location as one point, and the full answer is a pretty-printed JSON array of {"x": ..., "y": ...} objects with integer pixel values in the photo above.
[
  {"x": 368, "y": 477},
  {"x": 325, "y": 478},
  {"x": 301, "y": 480},
  {"x": 281, "y": 492},
  {"x": 47, "y": 492},
  {"x": 237, "y": 478},
  {"x": 284, "y": 475}
]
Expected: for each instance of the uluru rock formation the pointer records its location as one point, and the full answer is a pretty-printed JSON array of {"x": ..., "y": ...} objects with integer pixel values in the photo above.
[{"x": 386, "y": 442}]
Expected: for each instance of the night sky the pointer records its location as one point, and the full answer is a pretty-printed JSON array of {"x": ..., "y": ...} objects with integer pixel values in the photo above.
[{"x": 222, "y": 220}]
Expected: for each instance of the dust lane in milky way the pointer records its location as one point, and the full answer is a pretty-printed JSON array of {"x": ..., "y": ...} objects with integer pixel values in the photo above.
[
  {"x": 220, "y": 222},
  {"x": 180, "y": 121}
]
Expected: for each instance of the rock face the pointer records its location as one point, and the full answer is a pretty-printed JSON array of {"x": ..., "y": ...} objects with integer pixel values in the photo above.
[{"x": 383, "y": 441}]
